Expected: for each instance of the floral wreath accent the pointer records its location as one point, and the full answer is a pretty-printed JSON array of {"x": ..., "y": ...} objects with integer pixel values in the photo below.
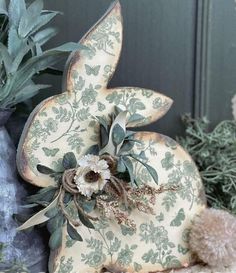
[{"x": 102, "y": 180}]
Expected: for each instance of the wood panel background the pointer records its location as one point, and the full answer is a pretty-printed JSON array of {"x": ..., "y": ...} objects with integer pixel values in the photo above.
[{"x": 185, "y": 49}]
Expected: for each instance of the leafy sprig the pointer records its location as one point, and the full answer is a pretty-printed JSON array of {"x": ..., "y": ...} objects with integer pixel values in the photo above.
[
  {"x": 119, "y": 142},
  {"x": 22, "y": 37}
]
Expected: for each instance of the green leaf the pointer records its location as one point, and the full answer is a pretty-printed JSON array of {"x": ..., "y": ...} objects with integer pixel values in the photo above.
[
  {"x": 129, "y": 134},
  {"x": 5, "y": 57},
  {"x": 39, "y": 217},
  {"x": 41, "y": 62},
  {"x": 45, "y": 194},
  {"x": 55, "y": 222},
  {"x": 19, "y": 57},
  {"x": 29, "y": 18},
  {"x": 93, "y": 150},
  {"x": 31, "y": 67},
  {"x": 85, "y": 221},
  {"x": 69, "y": 161},
  {"x": 44, "y": 170},
  {"x": 118, "y": 134},
  {"x": 121, "y": 167},
  {"x": 128, "y": 163},
  {"x": 3, "y": 7},
  {"x": 27, "y": 92},
  {"x": 117, "y": 110},
  {"x": 20, "y": 218},
  {"x": 42, "y": 21},
  {"x": 16, "y": 11},
  {"x": 88, "y": 205},
  {"x": 115, "y": 137},
  {"x": 103, "y": 122},
  {"x": 56, "y": 239},
  {"x": 126, "y": 147},
  {"x": 67, "y": 47},
  {"x": 45, "y": 35},
  {"x": 72, "y": 232},
  {"x": 52, "y": 212},
  {"x": 104, "y": 136},
  {"x": 35, "y": 8}
]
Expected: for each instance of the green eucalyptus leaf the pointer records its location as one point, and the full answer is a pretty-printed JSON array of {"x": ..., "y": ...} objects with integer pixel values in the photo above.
[
  {"x": 52, "y": 212},
  {"x": 115, "y": 136},
  {"x": 103, "y": 122},
  {"x": 39, "y": 217},
  {"x": 44, "y": 169},
  {"x": 126, "y": 147},
  {"x": 45, "y": 194},
  {"x": 117, "y": 110},
  {"x": 84, "y": 220},
  {"x": 20, "y": 218},
  {"x": 93, "y": 150},
  {"x": 45, "y": 35},
  {"x": 55, "y": 222},
  {"x": 69, "y": 161},
  {"x": 68, "y": 198},
  {"x": 118, "y": 134},
  {"x": 72, "y": 232},
  {"x": 121, "y": 167},
  {"x": 104, "y": 136},
  {"x": 129, "y": 165},
  {"x": 15, "y": 11},
  {"x": 129, "y": 134},
  {"x": 55, "y": 240}
]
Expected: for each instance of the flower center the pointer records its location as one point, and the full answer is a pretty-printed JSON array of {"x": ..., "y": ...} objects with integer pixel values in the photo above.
[{"x": 92, "y": 177}]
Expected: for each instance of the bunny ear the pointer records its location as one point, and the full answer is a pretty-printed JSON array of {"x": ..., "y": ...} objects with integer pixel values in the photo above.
[{"x": 99, "y": 60}]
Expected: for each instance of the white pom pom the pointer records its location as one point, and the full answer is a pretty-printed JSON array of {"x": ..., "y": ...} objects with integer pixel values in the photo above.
[{"x": 213, "y": 237}]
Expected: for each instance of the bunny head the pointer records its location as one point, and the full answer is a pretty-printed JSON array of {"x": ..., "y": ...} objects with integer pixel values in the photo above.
[{"x": 67, "y": 123}]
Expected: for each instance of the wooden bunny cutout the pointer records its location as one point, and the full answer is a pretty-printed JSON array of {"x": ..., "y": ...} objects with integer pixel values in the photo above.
[{"x": 65, "y": 123}]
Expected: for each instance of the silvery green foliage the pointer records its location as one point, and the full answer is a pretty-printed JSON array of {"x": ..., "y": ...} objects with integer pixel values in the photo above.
[{"x": 21, "y": 54}]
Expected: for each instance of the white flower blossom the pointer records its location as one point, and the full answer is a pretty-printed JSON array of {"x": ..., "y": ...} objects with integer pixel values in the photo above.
[{"x": 92, "y": 174}]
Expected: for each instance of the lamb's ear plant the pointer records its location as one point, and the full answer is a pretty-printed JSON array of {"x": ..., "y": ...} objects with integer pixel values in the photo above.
[{"x": 23, "y": 34}]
